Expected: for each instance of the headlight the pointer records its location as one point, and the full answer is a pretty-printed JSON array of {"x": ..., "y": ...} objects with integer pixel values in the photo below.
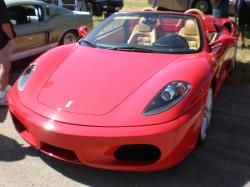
[
  {"x": 26, "y": 75},
  {"x": 169, "y": 96}
]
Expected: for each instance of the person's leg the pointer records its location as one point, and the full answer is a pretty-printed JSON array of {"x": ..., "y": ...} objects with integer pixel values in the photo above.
[
  {"x": 217, "y": 13},
  {"x": 5, "y": 66},
  {"x": 76, "y": 5},
  {"x": 242, "y": 35},
  {"x": 60, "y": 3},
  {"x": 84, "y": 6},
  {"x": 242, "y": 20},
  {"x": 5, "y": 56},
  {"x": 79, "y": 5}
]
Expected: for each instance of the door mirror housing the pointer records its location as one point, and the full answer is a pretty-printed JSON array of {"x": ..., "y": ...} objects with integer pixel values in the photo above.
[
  {"x": 83, "y": 31},
  {"x": 214, "y": 47}
]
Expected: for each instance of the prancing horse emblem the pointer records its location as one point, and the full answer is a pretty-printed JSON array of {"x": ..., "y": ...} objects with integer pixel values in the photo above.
[{"x": 69, "y": 104}]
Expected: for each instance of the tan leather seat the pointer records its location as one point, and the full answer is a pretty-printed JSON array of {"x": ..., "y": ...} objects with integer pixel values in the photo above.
[
  {"x": 143, "y": 33},
  {"x": 190, "y": 32}
]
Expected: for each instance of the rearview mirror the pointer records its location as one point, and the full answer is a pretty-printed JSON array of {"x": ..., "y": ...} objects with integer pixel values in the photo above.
[{"x": 83, "y": 31}]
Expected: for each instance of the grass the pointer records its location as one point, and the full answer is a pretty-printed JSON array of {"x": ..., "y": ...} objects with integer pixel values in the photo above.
[
  {"x": 135, "y": 5},
  {"x": 129, "y": 5}
]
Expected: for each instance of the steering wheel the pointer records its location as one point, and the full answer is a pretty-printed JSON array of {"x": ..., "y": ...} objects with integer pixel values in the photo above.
[{"x": 195, "y": 11}]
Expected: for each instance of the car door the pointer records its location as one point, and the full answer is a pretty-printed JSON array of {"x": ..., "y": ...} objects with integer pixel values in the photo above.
[
  {"x": 30, "y": 27},
  {"x": 223, "y": 50}
]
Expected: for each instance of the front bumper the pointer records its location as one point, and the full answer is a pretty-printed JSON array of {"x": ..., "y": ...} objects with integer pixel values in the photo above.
[{"x": 99, "y": 146}]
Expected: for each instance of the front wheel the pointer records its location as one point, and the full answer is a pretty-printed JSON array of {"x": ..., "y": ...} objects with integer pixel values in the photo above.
[
  {"x": 204, "y": 5},
  {"x": 206, "y": 117},
  {"x": 69, "y": 38}
]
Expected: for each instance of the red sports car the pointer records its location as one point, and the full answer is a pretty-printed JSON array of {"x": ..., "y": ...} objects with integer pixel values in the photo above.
[{"x": 135, "y": 94}]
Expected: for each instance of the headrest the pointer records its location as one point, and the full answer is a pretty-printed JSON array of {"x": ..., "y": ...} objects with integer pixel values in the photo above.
[
  {"x": 190, "y": 28},
  {"x": 146, "y": 24}
]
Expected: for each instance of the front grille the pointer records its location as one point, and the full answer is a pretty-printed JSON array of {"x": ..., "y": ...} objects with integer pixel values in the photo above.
[{"x": 60, "y": 153}]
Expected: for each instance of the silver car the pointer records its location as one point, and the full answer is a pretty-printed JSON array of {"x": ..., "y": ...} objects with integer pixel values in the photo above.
[{"x": 41, "y": 26}]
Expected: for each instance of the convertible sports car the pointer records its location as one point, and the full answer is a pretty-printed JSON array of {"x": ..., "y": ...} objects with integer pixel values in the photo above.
[{"x": 135, "y": 94}]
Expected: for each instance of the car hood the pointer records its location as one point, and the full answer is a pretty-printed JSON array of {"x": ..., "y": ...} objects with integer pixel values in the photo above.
[{"x": 94, "y": 81}]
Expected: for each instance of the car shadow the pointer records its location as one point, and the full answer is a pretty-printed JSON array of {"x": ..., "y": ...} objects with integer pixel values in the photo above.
[
  {"x": 224, "y": 160},
  {"x": 11, "y": 151},
  {"x": 241, "y": 74}
]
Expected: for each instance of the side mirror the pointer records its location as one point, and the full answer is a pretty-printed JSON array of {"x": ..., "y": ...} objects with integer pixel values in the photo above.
[
  {"x": 224, "y": 40},
  {"x": 215, "y": 46},
  {"x": 83, "y": 31}
]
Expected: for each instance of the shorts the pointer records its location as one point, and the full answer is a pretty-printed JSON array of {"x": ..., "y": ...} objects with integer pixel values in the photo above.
[{"x": 6, "y": 52}]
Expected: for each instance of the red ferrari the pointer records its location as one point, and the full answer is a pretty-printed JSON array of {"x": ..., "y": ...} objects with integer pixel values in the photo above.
[{"x": 135, "y": 94}]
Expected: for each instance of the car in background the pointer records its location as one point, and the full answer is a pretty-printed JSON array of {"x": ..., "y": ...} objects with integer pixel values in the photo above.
[
  {"x": 41, "y": 26},
  {"x": 205, "y": 6},
  {"x": 105, "y": 7},
  {"x": 135, "y": 94},
  {"x": 96, "y": 7}
]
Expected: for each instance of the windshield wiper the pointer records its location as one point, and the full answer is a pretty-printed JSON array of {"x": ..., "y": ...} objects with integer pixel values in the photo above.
[
  {"x": 131, "y": 48},
  {"x": 88, "y": 43}
]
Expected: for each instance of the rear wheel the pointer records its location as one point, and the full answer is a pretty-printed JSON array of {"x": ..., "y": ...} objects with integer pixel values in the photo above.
[
  {"x": 108, "y": 13},
  {"x": 206, "y": 117},
  {"x": 204, "y": 5},
  {"x": 161, "y": 9},
  {"x": 69, "y": 38}
]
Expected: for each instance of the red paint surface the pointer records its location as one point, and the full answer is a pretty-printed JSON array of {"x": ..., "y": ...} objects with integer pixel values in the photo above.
[{"x": 109, "y": 91}]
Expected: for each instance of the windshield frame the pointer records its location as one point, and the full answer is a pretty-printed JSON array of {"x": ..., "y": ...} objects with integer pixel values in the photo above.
[{"x": 108, "y": 20}]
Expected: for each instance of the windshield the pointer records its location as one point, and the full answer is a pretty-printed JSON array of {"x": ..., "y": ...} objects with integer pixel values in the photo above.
[{"x": 147, "y": 32}]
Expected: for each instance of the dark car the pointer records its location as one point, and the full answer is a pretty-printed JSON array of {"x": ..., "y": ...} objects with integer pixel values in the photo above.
[
  {"x": 106, "y": 7},
  {"x": 182, "y": 5},
  {"x": 96, "y": 7}
]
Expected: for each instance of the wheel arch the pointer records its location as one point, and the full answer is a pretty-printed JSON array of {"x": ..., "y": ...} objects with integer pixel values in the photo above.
[{"x": 65, "y": 31}]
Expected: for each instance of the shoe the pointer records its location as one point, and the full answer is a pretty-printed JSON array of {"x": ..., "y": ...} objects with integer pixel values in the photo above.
[
  {"x": 7, "y": 88},
  {"x": 241, "y": 45},
  {"x": 3, "y": 102}
]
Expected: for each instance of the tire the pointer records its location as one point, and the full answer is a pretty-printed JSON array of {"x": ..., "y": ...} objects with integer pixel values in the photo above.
[
  {"x": 97, "y": 11},
  {"x": 107, "y": 14},
  {"x": 204, "y": 5},
  {"x": 206, "y": 117},
  {"x": 161, "y": 9},
  {"x": 69, "y": 37}
]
